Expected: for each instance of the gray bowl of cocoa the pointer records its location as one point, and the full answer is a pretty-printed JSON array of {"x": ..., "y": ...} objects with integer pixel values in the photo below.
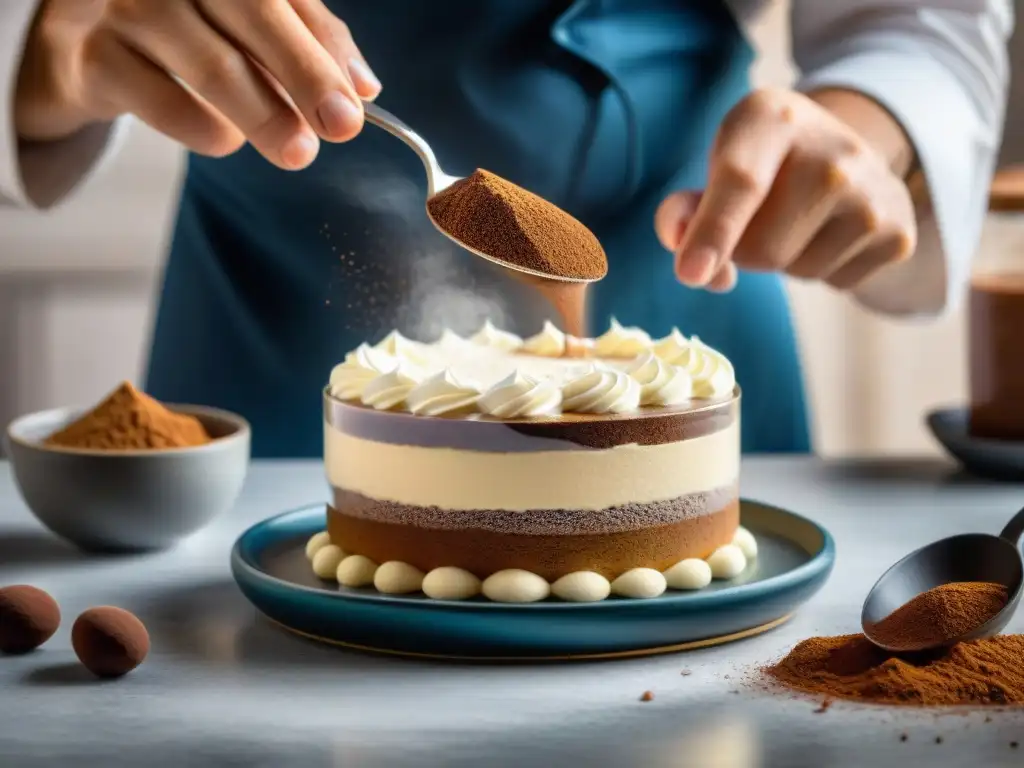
[{"x": 128, "y": 499}]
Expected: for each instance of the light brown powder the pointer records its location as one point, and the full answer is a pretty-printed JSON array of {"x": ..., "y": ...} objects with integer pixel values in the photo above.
[{"x": 131, "y": 420}]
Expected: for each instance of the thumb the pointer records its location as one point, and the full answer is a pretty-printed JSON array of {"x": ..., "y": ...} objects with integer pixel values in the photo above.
[{"x": 673, "y": 216}]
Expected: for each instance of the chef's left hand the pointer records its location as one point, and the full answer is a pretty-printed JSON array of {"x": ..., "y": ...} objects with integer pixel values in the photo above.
[{"x": 792, "y": 188}]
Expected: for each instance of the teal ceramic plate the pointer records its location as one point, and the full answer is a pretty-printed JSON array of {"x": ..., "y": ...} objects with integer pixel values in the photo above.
[{"x": 795, "y": 559}]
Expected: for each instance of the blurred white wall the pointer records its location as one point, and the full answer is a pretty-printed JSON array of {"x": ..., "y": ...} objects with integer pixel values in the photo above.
[
  {"x": 76, "y": 285},
  {"x": 77, "y": 288}
]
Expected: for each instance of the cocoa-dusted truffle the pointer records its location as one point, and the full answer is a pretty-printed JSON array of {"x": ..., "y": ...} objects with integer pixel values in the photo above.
[
  {"x": 109, "y": 641},
  {"x": 28, "y": 618}
]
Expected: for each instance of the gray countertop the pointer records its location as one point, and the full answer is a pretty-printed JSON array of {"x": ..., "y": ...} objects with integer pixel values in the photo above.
[{"x": 223, "y": 688}]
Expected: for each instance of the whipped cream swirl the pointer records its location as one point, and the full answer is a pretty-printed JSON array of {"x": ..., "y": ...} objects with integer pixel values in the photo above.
[
  {"x": 550, "y": 342},
  {"x": 456, "y": 376},
  {"x": 660, "y": 383},
  {"x": 451, "y": 340},
  {"x": 520, "y": 396},
  {"x": 361, "y": 366},
  {"x": 619, "y": 341},
  {"x": 601, "y": 390},
  {"x": 390, "y": 389},
  {"x": 712, "y": 373},
  {"x": 442, "y": 394},
  {"x": 397, "y": 345},
  {"x": 669, "y": 346},
  {"x": 491, "y": 336}
]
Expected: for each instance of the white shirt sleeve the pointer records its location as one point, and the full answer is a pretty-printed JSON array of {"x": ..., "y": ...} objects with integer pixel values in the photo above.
[
  {"x": 40, "y": 175},
  {"x": 941, "y": 68}
]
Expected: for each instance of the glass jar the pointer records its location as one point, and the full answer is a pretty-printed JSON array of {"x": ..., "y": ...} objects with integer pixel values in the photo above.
[{"x": 996, "y": 315}]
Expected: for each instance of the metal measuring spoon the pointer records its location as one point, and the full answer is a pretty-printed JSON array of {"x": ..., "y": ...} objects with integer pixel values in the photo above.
[
  {"x": 438, "y": 180},
  {"x": 967, "y": 557}
]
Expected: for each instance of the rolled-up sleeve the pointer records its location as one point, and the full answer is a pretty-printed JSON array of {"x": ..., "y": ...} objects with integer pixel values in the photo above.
[
  {"x": 41, "y": 174},
  {"x": 941, "y": 69}
]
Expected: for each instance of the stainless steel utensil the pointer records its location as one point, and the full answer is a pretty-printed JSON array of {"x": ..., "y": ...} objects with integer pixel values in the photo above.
[{"x": 438, "y": 180}]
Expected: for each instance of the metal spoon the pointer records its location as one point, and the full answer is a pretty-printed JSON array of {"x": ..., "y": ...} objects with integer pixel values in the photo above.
[
  {"x": 438, "y": 180},
  {"x": 967, "y": 557}
]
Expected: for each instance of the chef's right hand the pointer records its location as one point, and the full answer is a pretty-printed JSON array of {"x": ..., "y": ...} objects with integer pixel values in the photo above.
[{"x": 211, "y": 74}]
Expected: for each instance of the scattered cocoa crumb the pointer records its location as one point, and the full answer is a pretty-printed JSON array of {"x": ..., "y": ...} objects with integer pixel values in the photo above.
[
  {"x": 988, "y": 718},
  {"x": 1013, "y": 745},
  {"x": 824, "y": 707},
  {"x": 903, "y": 737},
  {"x": 938, "y": 739},
  {"x": 647, "y": 696}
]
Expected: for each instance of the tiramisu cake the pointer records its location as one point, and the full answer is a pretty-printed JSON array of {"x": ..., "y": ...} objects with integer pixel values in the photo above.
[{"x": 519, "y": 470}]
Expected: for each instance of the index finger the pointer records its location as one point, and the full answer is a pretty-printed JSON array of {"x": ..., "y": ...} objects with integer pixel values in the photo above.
[
  {"x": 750, "y": 148},
  {"x": 274, "y": 35}
]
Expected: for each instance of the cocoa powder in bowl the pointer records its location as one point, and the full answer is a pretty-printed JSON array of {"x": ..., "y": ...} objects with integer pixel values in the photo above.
[
  {"x": 130, "y": 420},
  {"x": 514, "y": 226}
]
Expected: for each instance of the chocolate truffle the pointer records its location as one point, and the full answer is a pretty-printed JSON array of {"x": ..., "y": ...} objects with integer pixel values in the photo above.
[
  {"x": 28, "y": 618},
  {"x": 109, "y": 641}
]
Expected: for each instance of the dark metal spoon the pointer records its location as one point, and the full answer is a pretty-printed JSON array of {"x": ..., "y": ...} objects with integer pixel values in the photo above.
[{"x": 967, "y": 557}]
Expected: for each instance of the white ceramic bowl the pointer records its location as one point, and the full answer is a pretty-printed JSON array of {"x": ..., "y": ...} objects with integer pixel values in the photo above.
[{"x": 128, "y": 500}]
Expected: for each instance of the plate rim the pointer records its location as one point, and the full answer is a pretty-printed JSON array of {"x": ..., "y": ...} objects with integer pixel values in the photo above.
[
  {"x": 818, "y": 563},
  {"x": 558, "y": 658}
]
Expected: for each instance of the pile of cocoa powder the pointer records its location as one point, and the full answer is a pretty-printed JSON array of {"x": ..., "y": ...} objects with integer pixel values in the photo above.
[
  {"x": 979, "y": 673},
  {"x": 941, "y": 614},
  {"x": 513, "y": 225}
]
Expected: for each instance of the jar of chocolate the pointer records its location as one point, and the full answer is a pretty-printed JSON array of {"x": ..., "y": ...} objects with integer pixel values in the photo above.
[{"x": 996, "y": 315}]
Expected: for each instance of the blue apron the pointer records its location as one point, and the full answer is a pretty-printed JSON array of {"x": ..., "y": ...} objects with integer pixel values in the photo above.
[{"x": 601, "y": 106}]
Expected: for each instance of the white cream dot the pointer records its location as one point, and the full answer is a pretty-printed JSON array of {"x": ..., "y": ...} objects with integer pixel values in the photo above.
[
  {"x": 727, "y": 562},
  {"x": 745, "y": 540},
  {"x": 581, "y": 587},
  {"x": 515, "y": 586},
  {"x": 450, "y": 583},
  {"x": 397, "y": 578},
  {"x": 316, "y": 543},
  {"x": 356, "y": 571},
  {"x": 639, "y": 583},
  {"x": 325, "y": 561},
  {"x": 691, "y": 573}
]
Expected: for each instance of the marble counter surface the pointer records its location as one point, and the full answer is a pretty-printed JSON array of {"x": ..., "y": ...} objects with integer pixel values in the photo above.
[{"x": 221, "y": 687}]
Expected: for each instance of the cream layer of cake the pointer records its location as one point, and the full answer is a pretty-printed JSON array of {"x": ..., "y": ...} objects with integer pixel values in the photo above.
[{"x": 585, "y": 480}]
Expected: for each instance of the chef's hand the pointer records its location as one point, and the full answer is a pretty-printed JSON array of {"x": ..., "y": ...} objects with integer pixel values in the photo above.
[
  {"x": 812, "y": 186},
  {"x": 211, "y": 74}
]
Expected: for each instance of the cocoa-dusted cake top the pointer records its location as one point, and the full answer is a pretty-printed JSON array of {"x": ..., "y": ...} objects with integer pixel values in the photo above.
[{"x": 498, "y": 374}]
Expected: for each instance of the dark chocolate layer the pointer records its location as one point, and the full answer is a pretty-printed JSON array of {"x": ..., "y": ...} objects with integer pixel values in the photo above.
[
  {"x": 644, "y": 428},
  {"x": 571, "y": 431},
  {"x": 484, "y": 551}
]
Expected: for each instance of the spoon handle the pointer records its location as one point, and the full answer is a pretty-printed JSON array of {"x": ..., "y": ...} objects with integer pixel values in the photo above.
[
  {"x": 1013, "y": 530},
  {"x": 380, "y": 117}
]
